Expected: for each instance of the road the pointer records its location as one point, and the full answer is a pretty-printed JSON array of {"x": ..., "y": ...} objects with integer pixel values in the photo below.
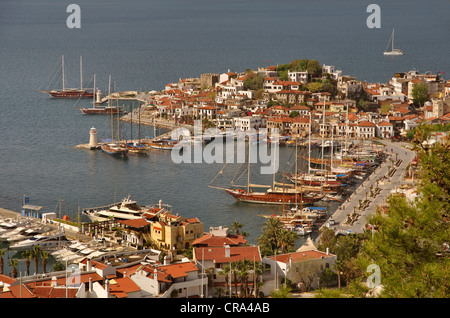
[{"x": 396, "y": 152}]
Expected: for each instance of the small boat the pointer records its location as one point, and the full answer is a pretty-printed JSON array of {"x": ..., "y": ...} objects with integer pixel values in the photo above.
[
  {"x": 114, "y": 149},
  {"x": 136, "y": 147},
  {"x": 392, "y": 51},
  {"x": 103, "y": 110},
  {"x": 164, "y": 144}
]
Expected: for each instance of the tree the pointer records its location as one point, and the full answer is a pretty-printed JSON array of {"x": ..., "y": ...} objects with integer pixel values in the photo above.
[
  {"x": 313, "y": 67},
  {"x": 410, "y": 243},
  {"x": 294, "y": 114},
  {"x": 28, "y": 256},
  {"x": 36, "y": 252},
  {"x": 274, "y": 238},
  {"x": 225, "y": 272},
  {"x": 2, "y": 252},
  {"x": 253, "y": 81},
  {"x": 44, "y": 256},
  {"x": 419, "y": 94},
  {"x": 315, "y": 87},
  {"x": 236, "y": 226},
  {"x": 13, "y": 263},
  {"x": 385, "y": 108}
]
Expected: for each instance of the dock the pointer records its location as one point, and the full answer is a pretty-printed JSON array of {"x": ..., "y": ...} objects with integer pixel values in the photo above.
[{"x": 352, "y": 215}]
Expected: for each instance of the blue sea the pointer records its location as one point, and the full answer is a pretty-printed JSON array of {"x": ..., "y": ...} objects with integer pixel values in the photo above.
[{"x": 145, "y": 44}]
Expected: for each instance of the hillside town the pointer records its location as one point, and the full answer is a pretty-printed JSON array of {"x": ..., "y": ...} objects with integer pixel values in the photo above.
[
  {"x": 135, "y": 251},
  {"x": 293, "y": 96}
]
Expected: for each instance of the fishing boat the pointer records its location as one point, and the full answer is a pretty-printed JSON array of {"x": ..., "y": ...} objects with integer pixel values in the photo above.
[
  {"x": 127, "y": 209},
  {"x": 70, "y": 92},
  {"x": 392, "y": 51}
]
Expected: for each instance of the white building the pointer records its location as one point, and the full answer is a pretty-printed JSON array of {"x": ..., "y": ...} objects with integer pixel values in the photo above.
[
  {"x": 247, "y": 122},
  {"x": 298, "y": 76}
]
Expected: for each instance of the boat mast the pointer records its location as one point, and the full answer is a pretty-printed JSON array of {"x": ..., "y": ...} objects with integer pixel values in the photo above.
[
  {"x": 392, "y": 39},
  {"x": 63, "y": 73},
  {"x": 309, "y": 146},
  {"x": 109, "y": 105},
  {"x": 248, "y": 167},
  {"x": 93, "y": 96},
  {"x": 81, "y": 72},
  {"x": 323, "y": 133}
]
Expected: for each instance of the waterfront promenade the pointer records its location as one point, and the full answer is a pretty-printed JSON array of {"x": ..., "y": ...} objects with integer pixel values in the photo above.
[{"x": 396, "y": 154}]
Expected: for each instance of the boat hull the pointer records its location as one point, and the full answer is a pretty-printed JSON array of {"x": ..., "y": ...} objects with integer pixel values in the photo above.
[
  {"x": 75, "y": 93},
  {"x": 114, "y": 150},
  {"x": 271, "y": 197},
  {"x": 101, "y": 111}
]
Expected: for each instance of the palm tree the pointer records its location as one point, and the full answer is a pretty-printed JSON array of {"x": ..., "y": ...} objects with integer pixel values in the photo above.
[
  {"x": 28, "y": 256},
  {"x": 287, "y": 240},
  {"x": 244, "y": 267},
  {"x": 257, "y": 272},
  {"x": 36, "y": 252},
  {"x": 2, "y": 252},
  {"x": 236, "y": 226},
  {"x": 13, "y": 263},
  {"x": 226, "y": 273},
  {"x": 44, "y": 256},
  {"x": 234, "y": 270}
]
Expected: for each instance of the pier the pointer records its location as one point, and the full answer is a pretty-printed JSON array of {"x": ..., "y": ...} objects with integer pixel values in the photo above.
[{"x": 352, "y": 215}]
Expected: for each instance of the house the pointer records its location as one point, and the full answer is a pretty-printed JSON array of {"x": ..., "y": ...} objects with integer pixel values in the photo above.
[
  {"x": 301, "y": 126},
  {"x": 302, "y": 267},
  {"x": 216, "y": 259},
  {"x": 298, "y": 76},
  {"x": 135, "y": 231},
  {"x": 301, "y": 109},
  {"x": 218, "y": 237},
  {"x": 247, "y": 123},
  {"x": 180, "y": 280},
  {"x": 384, "y": 129},
  {"x": 366, "y": 129},
  {"x": 170, "y": 231}
]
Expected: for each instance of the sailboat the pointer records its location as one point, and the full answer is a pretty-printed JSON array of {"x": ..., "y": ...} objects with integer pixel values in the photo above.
[
  {"x": 136, "y": 147},
  {"x": 273, "y": 194},
  {"x": 70, "y": 92},
  {"x": 101, "y": 110},
  {"x": 392, "y": 51},
  {"x": 113, "y": 148}
]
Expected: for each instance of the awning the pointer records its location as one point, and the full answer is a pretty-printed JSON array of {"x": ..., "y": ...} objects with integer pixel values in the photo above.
[{"x": 32, "y": 207}]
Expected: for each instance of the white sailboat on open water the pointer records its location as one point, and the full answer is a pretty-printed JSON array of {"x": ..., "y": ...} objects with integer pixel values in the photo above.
[{"x": 392, "y": 51}]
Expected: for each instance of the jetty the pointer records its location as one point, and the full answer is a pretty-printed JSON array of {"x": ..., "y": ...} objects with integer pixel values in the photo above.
[{"x": 352, "y": 215}]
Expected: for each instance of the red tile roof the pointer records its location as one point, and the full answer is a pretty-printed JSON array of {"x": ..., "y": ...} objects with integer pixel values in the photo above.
[
  {"x": 217, "y": 254},
  {"x": 384, "y": 123},
  {"x": 366, "y": 123},
  {"x": 121, "y": 287},
  {"x": 220, "y": 241},
  {"x": 136, "y": 223},
  {"x": 300, "y": 256}
]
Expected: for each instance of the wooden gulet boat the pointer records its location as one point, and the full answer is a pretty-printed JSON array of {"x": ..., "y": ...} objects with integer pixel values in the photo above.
[{"x": 69, "y": 92}]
